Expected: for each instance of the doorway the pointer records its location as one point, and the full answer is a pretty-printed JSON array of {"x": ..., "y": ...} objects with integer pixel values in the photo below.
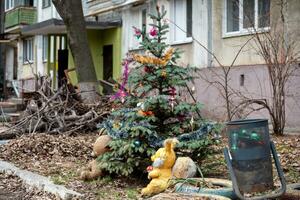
[
  {"x": 63, "y": 55},
  {"x": 107, "y": 68}
]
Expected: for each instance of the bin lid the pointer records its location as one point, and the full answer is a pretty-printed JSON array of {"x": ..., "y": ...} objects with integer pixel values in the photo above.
[{"x": 246, "y": 121}]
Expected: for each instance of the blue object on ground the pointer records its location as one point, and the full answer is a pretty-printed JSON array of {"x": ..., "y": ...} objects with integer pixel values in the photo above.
[
  {"x": 186, "y": 188},
  {"x": 3, "y": 142}
]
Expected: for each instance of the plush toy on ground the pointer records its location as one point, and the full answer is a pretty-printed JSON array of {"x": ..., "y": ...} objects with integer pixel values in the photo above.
[
  {"x": 92, "y": 171},
  {"x": 100, "y": 146},
  {"x": 163, "y": 161}
]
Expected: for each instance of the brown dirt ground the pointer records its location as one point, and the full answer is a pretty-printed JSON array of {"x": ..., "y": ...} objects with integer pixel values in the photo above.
[
  {"x": 12, "y": 188},
  {"x": 61, "y": 157}
]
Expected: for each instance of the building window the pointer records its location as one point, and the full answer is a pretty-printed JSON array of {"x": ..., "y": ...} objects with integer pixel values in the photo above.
[
  {"x": 139, "y": 16},
  {"x": 46, "y": 3},
  {"x": 245, "y": 15},
  {"x": 9, "y": 4},
  {"x": 29, "y": 3},
  {"x": 182, "y": 18},
  {"x": 45, "y": 48},
  {"x": 28, "y": 50}
]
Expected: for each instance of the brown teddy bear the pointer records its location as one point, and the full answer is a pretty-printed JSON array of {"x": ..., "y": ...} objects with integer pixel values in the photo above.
[{"x": 100, "y": 147}]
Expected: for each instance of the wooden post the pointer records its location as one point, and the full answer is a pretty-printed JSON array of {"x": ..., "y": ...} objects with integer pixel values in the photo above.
[
  {"x": 54, "y": 63},
  {"x": 66, "y": 41},
  {"x": 60, "y": 42},
  {"x": 49, "y": 55}
]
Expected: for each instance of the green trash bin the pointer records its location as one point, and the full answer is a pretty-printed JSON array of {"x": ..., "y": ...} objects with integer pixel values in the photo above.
[{"x": 249, "y": 157}]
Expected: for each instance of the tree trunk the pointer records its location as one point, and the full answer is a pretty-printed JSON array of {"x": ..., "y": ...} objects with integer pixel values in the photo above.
[{"x": 72, "y": 14}]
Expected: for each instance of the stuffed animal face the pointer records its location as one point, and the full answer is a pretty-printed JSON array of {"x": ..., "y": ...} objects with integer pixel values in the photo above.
[{"x": 165, "y": 157}]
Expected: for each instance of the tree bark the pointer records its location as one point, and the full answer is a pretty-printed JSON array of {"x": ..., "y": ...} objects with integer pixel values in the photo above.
[{"x": 72, "y": 14}]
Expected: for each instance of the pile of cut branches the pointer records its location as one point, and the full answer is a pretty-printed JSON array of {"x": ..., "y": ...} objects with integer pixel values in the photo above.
[{"x": 60, "y": 111}]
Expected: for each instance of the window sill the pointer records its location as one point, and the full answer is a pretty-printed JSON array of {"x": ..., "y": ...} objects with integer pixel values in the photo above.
[
  {"x": 9, "y": 9},
  {"x": 245, "y": 32},
  {"x": 28, "y": 63},
  {"x": 135, "y": 48},
  {"x": 44, "y": 7},
  {"x": 180, "y": 42}
]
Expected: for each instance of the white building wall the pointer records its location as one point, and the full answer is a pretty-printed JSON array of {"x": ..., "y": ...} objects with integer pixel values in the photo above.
[
  {"x": 193, "y": 54},
  {"x": 20, "y": 59},
  {"x": 44, "y": 14},
  {"x": 39, "y": 66},
  {"x": 9, "y": 63}
]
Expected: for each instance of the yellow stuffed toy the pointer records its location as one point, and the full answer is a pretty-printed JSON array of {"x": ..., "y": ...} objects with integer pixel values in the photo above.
[{"x": 163, "y": 161}]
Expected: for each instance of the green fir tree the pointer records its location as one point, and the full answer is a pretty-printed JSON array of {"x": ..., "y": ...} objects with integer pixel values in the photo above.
[{"x": 153, "y": 109}]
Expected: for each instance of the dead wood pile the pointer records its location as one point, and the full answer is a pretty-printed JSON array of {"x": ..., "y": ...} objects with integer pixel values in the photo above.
[{"x": 60, "y": 111}]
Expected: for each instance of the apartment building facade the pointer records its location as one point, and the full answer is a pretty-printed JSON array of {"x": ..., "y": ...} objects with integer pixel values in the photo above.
[
  {"x": 37, "y": 42},
  {"x": 222, "y": 27},
  {"x": 232, "y": 29},
  {"x": 2, "y": 52}
]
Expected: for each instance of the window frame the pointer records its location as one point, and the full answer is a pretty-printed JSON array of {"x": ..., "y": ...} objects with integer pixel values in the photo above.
[
  {"x": 243, "y": 31},
  {"x": 134, "y": 43},
  {"x": 187, "y": 39},
  {"x": 10, "y": 6},
  {"x": 28, "y": 54},
  {"x": 46, "y": 5},
  {"x": 45, "y": 48}
]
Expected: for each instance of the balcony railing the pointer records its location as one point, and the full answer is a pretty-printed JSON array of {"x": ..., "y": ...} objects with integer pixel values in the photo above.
[{"x": 20, "y": 16}]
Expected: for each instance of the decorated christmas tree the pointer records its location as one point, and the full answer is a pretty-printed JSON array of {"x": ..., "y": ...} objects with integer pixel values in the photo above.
[{"x": 153, "y": 106}]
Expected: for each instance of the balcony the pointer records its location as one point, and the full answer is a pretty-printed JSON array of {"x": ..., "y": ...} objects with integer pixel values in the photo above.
[
  {"x": 20, "y": 16},
  {"x": 96, "y": 7}
]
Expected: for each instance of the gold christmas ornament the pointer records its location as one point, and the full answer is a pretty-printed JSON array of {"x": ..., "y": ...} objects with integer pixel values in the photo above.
[{"x": 164, "y": 73}]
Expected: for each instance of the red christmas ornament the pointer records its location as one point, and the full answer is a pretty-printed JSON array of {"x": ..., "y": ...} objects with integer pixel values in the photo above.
[
  {"x": 137, "y": 32},
  {"x": 172, "y": 91},
  {"x": 147, "y": 69},
  {"x": 149, "y": 168},
  {"x": 181, "y": 118},
  {"x": 153, "y": 32}
]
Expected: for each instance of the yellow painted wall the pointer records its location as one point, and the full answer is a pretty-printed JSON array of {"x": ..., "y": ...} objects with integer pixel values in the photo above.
[
  {"x": 97, "y": 39},
  {"x": 113, "y": 36},
  {"x": 226, "y": 48}
]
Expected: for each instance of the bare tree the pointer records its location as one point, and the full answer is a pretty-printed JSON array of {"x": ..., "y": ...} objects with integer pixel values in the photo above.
[
  {"x": 220, "y": 77},
  {"x": 72, "y": 14},
  {"x": 278, "y": 48},
  {"x": 279, "y": 52}
]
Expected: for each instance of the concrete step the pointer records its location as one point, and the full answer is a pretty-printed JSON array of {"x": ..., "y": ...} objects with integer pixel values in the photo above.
[
  {"x": 10, "y": 117},
  {"x": 16, "y": 100},
  {"x": 8, "y": 107}
]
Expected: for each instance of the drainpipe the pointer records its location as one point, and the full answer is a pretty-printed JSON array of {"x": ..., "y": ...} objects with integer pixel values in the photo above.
[{"x": 209, "y": 32}]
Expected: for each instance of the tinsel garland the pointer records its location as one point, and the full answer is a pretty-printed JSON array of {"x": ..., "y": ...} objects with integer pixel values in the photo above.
[
  {"x": 154, "y": 61},
  {"x": 154, "y": 139},
  {"x": 121, "y": 92}
]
